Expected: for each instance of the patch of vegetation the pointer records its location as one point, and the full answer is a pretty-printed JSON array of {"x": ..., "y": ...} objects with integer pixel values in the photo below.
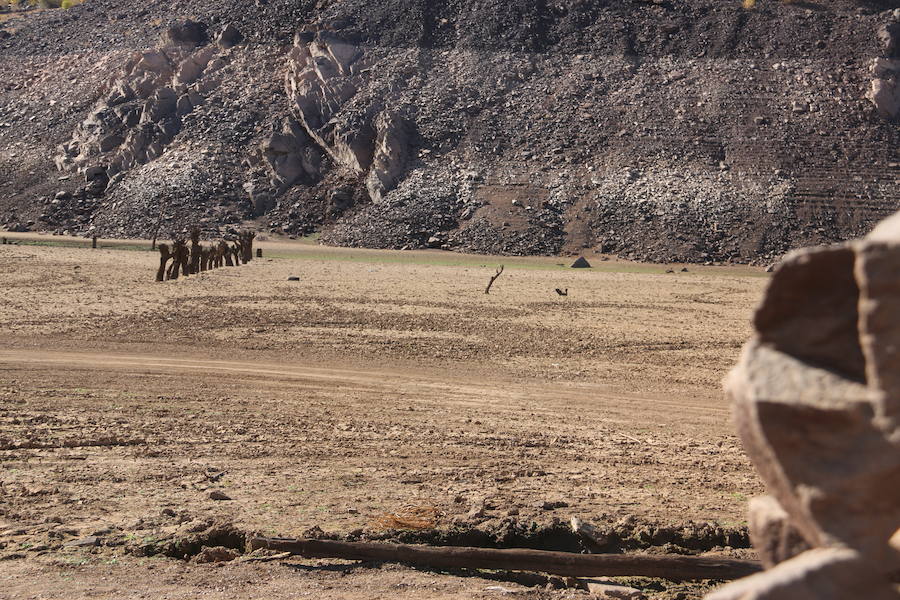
[{"x": 75, "y": 243}]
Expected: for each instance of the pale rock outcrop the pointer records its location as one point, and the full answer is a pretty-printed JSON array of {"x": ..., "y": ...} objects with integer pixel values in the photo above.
[
  {"x": 889, "y": 38},
  {"x": 391, "y": 155},
  {"x": 324, "y": 77},
  {"x": 817, "y": 404},
  {"x": 292, "y": 156},
  {"x": 885, "y": 89},
  {"x": 143, "y": 110},
  {"x": 771, "y": 532},
  {"x": 192, "y": 67}
]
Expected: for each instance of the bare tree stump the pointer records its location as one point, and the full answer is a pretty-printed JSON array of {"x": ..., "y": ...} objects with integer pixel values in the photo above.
[
  {"x": 175, "y": 267},
  {"x": 180, "y": 259},
  {"x": 185, "y": 256},
  {"x": 195, "y": 250},
  {"x": 247, "y": 238},
  {"x": 204, "y": 258},
  {"x": 164, "y": 256}
]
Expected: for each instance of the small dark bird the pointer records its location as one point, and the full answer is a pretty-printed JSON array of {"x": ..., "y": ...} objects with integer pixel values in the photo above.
[{"x": 564, "y": 292}]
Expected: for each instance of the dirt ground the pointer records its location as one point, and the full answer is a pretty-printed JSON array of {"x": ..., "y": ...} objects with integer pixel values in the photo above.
[{"x": 380, "y": 382}]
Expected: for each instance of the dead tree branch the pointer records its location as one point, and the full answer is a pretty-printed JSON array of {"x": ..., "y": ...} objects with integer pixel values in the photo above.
[
  {"x": 674, "y": 568},
  {"x": 493, "y": 279}
]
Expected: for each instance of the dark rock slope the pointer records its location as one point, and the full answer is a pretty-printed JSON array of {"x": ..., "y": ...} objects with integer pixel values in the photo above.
[{"x": 697, "y": 130}]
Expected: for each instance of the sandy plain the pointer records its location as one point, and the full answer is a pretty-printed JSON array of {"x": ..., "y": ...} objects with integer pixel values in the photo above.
[{"x": 380, "y": 382}]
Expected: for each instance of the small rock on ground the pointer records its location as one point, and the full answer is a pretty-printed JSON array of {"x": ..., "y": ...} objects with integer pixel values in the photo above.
[{"x": 216, "y": 554}]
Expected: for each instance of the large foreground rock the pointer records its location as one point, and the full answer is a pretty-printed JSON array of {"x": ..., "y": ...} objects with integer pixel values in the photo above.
[{"x": 817, "y": 399}]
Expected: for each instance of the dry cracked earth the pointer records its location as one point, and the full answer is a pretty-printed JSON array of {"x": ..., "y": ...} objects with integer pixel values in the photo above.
[{"x": 380, "y": 384}]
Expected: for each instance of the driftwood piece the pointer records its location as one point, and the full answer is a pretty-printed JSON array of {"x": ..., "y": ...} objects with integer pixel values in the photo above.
[
  {"x": 262, "y": 559},
  {"x": 675, "y": 568},
  {"x": 487, "y": 290}
]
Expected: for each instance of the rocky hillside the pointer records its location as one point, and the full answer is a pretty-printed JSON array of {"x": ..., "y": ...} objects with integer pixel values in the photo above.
[{"x": 696, "y": 130}]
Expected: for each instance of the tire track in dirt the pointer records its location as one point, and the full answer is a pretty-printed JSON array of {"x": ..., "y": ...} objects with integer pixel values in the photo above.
[{"x": 445, "y": 387}]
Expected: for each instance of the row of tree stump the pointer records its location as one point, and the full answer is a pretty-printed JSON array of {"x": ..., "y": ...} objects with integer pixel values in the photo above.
[{"x": 196, "y": 258}]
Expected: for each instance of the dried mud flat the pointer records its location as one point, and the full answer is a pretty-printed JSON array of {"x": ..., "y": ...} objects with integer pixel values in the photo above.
[{"x": 380, "y": 383}]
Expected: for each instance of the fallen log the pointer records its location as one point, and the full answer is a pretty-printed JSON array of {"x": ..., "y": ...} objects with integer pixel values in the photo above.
[{"x": 673, "y": 568}]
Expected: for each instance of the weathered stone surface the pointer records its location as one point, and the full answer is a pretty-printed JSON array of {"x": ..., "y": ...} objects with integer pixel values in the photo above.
[
  {"x": 85, "y": 542},
  {"x": 822, "y": 574},
  {"x": 291, "y": 156},
  {"x": 229, "y": 37},
  {"x": 92, "y": 173},
  {"x": 810, "y": 310},
  {"x": 110, "y": 142},
  {"x": 391, "y": 155},
  {"x": 192, "y": 67},
  {"x": 216, "y": 554},
  {"x": 143, "y": 111},
  {"x": 609, "y": 590},
  {"x": 816, "y": 397},
  {"x": 889, "y": 38},
  {"x": 187, "y": 32},
  {"x": 323, "y": 85},
  {"x": 885, "y": 95},
  {"x": 771, "y": 532}
]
